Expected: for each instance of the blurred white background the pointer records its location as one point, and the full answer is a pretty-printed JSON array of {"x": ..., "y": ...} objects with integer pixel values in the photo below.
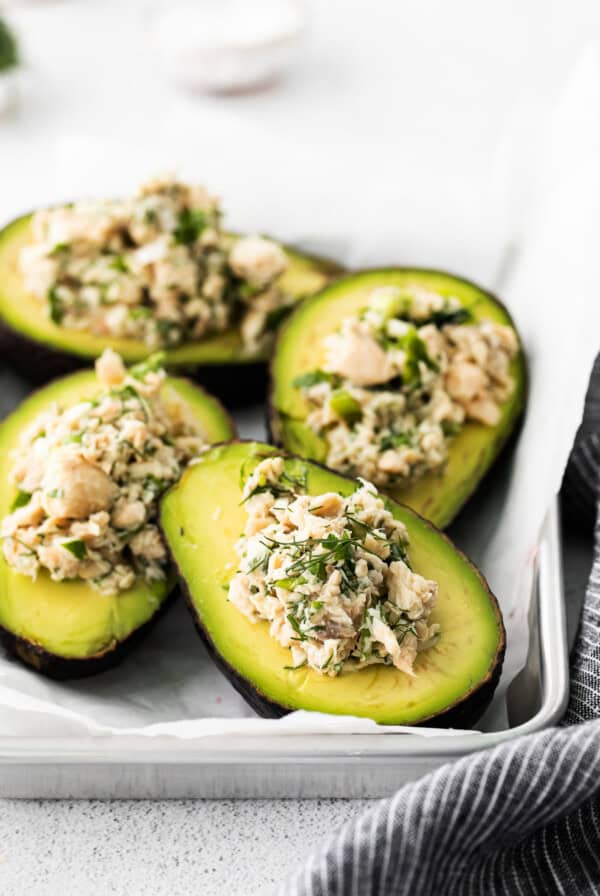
[
  {"x": 446, "y": 77},
  {"x": 432, "y": 107},
  {"x": 443, "y": 81}
]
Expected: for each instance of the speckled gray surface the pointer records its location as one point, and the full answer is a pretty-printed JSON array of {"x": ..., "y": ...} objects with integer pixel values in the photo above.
[{"x": 160, "y": 848}]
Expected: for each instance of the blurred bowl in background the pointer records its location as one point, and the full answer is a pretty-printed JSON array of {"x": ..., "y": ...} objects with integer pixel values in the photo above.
[{"x": 227, "y": 45}]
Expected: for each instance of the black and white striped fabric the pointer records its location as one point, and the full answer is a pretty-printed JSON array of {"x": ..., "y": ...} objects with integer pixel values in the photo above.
[{"x": 522, "y": 819}]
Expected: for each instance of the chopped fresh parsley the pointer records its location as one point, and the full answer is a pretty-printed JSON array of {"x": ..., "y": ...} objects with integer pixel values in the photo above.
[
  {"x": 58, "y": 249},
  {"x": 394, "y": 440},
  {"x": 447, "y": 316},
  {"x": 151, "y": 365},
  {"x": 415, "y": 352},
  {"x": 153, "y": 483},
  {"x": 118, "y": 263},
  {"x": 167, "y": 329},
  {"x": 21, "y": 500},
  {"x": 190, "y": 224},
  {"x": 140, "y": 313},
  {"x": 306, "y": 380},
  {"x": 345, "y": 406},
  {"x": 75, "y": 547},
  {"x": 290, "y": 583},
  {"x": 56, "y": 305},
  {"x": 296, "y": 626}
]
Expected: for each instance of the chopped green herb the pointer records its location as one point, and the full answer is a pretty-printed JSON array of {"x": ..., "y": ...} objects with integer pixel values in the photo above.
[
  {"x": 313, "y": 377},
  {"x": 154, "y": 484},
  {"x": 394, "y": 440},
  {"x": 392, "y": 302},
  {"x": 118, "y": 263},
  {"x": 296, "y": 626},
  {"x": 446, "y": 316},
  {"x": 289, "y": 584},
  {"x": 449, "y": 428},
  {"x": 55, "y": 302},
  {"x": 28, "y": 549},
  {"x": 190, "y": 224},
  {"x": 150, "y": 216},
  {"x": 415, "y": 351},
  {"x": 21, "y": 500},
  {"x": 398, "y": 552},
  {"x": 58, "y": 249},
  {"x": 140, "y": 313},
  {"x": 74, "y": 438},
  {"x": 345, "y": 406},
  {"x": 151, "y": 365},
  {"x": 75, "y": 547},
  {"x": 247, "y": 290},
  {"x": 167, "y": 328},
  {"x": 393, "y": 385}
]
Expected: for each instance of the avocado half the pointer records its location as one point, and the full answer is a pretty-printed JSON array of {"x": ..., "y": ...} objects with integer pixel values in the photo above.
[
  {"x": 39, "y": 348},
  {"x": 299, "y": 349},
  {"x": 455, "y": 679},
  {"x": 67, "y": 629}
]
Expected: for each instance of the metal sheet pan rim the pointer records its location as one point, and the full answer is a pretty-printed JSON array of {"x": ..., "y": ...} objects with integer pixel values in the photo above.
[{"x": 377, "y": 748}]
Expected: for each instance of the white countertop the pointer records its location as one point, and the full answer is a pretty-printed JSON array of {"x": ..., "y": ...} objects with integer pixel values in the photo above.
[{"x": 449, "y": 80}]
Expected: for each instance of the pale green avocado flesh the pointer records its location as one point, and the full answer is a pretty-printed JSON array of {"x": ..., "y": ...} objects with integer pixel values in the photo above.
[
  {"x": 202, "y": 518},
  {"x": 27, "y": 316},
  {"x": 300, "y": 348},
  {"x": 71, "y": 619}
]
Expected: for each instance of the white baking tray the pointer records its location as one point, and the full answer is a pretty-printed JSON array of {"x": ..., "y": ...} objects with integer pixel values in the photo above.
[{"x": 371, "y": 765}]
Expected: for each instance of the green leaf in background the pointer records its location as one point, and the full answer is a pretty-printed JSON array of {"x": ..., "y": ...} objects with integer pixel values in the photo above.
[{"x": 9, "y": 54}]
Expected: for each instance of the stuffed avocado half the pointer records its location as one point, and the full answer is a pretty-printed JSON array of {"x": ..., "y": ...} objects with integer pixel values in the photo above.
[
  {"x": 312, "y": 592},
  {"x": 83, "y": 569},
  {"x": 411, "y": 378},
  {"x": 154, "y": 271}
]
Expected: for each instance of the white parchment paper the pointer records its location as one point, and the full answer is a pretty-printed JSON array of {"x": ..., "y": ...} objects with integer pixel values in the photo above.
[{"x": 526, "y": 226}]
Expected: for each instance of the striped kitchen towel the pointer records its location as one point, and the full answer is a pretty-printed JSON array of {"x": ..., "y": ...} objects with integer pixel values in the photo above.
[{"x": 522, "y": 819}]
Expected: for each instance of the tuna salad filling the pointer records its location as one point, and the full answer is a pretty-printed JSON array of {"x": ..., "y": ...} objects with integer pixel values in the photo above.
[
  {"x": 89, "y": 477},
  {"x": 330, "y": 575},
  {"x": 401, "y": 379},
  {"x": 156, "y": 268}
]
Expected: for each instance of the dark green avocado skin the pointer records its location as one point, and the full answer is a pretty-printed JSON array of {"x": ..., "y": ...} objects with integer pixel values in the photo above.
[
  {"x": 61, "y": 668},
  {"x": 34, "y": 361}
]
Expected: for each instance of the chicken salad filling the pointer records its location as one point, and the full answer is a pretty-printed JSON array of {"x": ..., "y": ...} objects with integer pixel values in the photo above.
[
  {"x": 89, "y": 477},
  {"x": 330, "y": 575},
  {"x": 156, "y": 267},
  {"x": 403, "y": 377}
]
